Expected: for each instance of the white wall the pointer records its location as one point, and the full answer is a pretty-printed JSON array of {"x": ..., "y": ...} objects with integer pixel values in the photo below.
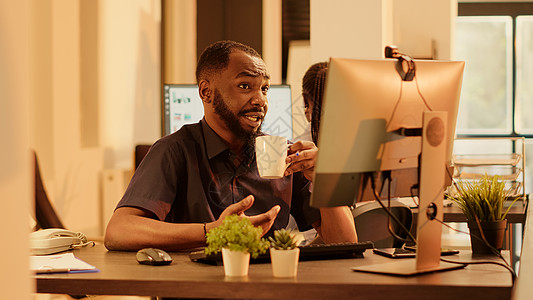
[
  {"x": 298, "y": 62},
  {"x": 87, "y": 117},
  {"x": 179, "y": 29},
  {"x": 272, "y": 33},
  {"x": 129, "y": 76},
  {"x": 350, "y": 28},
  {"x": 15, "y": 170},
  {"x": 362, "y": 29},
  {"x": 424, "y": 29}
]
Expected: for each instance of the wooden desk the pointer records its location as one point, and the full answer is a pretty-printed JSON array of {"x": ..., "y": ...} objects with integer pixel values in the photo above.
[{"x": 120, "y": 274}]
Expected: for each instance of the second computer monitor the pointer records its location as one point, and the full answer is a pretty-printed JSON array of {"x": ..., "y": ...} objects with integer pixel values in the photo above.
[{"x": 182, "y": 105}]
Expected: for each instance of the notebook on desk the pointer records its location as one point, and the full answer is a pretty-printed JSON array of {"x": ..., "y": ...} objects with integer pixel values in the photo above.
[{"x": 309, "y": 252}]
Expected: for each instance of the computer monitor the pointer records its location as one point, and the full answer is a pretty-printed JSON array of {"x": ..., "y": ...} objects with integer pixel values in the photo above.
[
  {"x": 182, "y": 105},
  {"x": 365, "y": 103},
  {"x": 374, "y": 119}
]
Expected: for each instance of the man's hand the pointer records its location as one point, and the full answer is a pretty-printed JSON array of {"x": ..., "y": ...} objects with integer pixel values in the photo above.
[
  {"x": 265, "y": 220},
  {"x": 302, "y": 157}
]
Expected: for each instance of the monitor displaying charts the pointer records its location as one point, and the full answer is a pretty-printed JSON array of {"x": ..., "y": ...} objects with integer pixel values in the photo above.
[{"x": 182, "y": 105}]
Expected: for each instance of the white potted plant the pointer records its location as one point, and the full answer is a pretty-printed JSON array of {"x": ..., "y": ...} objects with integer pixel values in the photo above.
[
  {"x": 237, "y": 238},
  {"x": 284, "y": 253}
]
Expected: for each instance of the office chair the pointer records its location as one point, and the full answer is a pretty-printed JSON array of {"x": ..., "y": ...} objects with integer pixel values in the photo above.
[
  {"x": 371, "y": 222},
  {"x": 45, "y": 215}
]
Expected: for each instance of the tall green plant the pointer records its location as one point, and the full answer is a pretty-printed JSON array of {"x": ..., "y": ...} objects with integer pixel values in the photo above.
[
  {"x": 237, "y": 234},
  {"x": 482, "y": 199}
]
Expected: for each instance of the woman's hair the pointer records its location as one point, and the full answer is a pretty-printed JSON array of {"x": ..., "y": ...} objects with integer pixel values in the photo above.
[{"x": 313, "y": 85}]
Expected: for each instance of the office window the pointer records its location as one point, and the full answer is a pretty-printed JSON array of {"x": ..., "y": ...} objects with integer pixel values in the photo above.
[
  {"x": 496, "y": 41},
  {"x": 524, "y": 73},
  {"x": 484, "y": 44}
]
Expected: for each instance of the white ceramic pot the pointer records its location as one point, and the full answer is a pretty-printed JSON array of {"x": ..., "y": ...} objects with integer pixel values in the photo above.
[
  {"x": 284, "y": 262},
  {"x": 236, "y": 263}
]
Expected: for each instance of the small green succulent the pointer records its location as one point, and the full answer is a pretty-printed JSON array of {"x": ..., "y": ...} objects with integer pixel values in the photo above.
[{"x": 283, "y": 240}]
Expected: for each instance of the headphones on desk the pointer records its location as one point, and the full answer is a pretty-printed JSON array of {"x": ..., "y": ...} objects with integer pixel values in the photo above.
[{"x": 408, "y": 72}]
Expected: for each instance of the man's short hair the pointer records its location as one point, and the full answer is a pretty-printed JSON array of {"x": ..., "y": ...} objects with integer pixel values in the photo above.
[{"x": 216, "y": 57}]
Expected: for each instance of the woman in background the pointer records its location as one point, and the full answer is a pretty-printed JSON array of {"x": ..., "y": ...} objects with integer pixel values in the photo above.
[{"x": 313, "y": 84}]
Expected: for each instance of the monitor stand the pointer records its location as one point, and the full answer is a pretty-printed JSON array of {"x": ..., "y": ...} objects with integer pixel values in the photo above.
[
  {"x": 405, "y": 267},
  {"x": 432, "y": 164}
]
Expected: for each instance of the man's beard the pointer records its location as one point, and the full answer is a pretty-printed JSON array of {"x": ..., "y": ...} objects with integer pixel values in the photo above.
[{"x": 232, "y": 121}]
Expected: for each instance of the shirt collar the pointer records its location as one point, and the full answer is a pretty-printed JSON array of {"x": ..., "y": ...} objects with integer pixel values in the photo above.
[
  {"x": 213, "y": 142},
  {"x": 215, "y": 145}
]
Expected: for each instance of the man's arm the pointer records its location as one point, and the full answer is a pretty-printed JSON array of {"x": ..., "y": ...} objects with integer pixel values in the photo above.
[
  {"x": 336, "y": 225},
  {"x": 133, "y": 228}
]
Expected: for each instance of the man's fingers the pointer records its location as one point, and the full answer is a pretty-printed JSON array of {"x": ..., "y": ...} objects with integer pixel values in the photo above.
[
  {"x": 298, "y": 167},
  {"x": 297, "y": 154},
  {"x": 301, "y": 145},
  {"x": 266, "y": 220},
  {"x": 240, "y": 206},
  {"x": 265, "y": 217},
  {"x": 303, "y": 160},
  {"x": 273, "y": 212}
]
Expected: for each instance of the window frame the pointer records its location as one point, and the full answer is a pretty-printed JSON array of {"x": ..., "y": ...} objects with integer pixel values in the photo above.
[{"x": 500, "y": 9}]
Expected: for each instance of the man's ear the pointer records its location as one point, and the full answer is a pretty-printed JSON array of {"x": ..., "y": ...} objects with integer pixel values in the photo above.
[{"x": 204, "y": 89}]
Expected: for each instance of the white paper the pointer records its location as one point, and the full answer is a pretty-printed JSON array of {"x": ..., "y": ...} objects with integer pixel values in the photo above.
[{"x": 58, "y": 263}]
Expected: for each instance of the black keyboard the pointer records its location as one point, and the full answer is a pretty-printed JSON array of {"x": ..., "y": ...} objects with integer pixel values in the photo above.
[{"x": 309, "y": 252}]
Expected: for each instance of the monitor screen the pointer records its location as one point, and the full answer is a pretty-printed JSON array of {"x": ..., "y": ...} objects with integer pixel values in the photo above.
[
  {"x": 182, "y": 105},
  {"x": 365, "y": 103}
]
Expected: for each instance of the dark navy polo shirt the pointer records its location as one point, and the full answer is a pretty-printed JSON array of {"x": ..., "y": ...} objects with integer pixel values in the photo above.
[{"x": 189, "y": 177}]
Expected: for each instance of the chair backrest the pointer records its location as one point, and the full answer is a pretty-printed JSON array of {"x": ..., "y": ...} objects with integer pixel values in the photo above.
[
  {"x": 371, "y": 223},
  {"x": 45, "y": 215},
  {"x": 140, "y": 153}
]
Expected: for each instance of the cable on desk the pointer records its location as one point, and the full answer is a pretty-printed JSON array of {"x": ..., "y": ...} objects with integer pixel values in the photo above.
[
  {"x": 495, "y": 251},
  {"x": 83, "y": 241},
  {"x": 389, "y": 212},
  {"x": 481, "y": 262}
]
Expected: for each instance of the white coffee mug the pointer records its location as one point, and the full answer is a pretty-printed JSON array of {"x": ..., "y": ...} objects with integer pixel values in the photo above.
[{"x": 270, "y": 153}]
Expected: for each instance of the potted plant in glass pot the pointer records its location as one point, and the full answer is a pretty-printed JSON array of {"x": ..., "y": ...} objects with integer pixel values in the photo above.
[
  {"x": 284, "y": 253},
  {"x": 237, "y": 238},
  {"x": 482, "y": 203}
]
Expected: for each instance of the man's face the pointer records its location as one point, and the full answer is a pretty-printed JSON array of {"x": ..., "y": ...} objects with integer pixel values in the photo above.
[
  {"x": 231, "y": 119},
  {"x": 239, "y": 100}
]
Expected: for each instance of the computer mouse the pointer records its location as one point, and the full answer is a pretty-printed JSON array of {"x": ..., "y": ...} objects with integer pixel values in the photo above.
[{"x": 153, "y": 257}]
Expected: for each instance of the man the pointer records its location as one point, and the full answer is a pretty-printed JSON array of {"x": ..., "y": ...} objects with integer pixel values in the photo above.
[{"x": 191, "y": 180}]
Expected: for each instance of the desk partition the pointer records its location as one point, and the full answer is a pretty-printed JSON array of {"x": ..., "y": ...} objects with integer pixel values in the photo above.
[{"x": 523, "y": 288}]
